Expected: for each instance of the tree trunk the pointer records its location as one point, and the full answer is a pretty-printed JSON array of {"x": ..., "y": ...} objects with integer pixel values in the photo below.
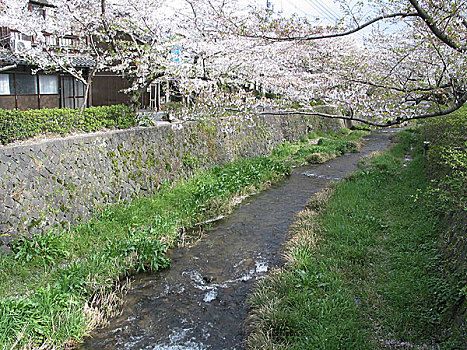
[{"x": 88, "y": 88}]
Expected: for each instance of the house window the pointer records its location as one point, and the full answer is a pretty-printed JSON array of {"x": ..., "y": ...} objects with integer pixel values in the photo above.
[
  {"x": 26, "y": 84},
  {"x": 65, "y": 42},
  {"x": 14, "y": 36},
  {"x": 51, "y": 40},
  {"x": 48, "y": 84},
  {"x": 79, "y": 88},
  {"x": 39, "y": 10},
  {"x": 7, "y": 84}
]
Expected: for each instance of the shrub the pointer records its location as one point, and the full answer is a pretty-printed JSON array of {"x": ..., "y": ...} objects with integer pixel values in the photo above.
[{"x": 20, "y": 125}]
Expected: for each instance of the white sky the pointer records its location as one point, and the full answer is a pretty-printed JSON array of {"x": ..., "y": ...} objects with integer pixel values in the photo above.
[{"x": 326, "y": 10}]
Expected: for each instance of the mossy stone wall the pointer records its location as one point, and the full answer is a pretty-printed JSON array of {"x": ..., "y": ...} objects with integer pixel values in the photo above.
[{"x": 56, "y": 183}]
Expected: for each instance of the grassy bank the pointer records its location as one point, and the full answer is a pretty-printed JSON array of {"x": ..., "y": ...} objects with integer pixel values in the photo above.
[
  {"x": 56, "y": 287},
  {"x": 364, "y": 268},
  {"x": 318, "y": 147}
]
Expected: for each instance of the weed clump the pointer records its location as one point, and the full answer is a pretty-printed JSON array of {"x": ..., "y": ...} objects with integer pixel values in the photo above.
[
  {"x": 317, "y": 158},
  {"x": 318, "y": 147}
]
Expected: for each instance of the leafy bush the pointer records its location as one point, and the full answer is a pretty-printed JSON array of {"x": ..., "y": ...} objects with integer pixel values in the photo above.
[{"x": 20, "y": 125}]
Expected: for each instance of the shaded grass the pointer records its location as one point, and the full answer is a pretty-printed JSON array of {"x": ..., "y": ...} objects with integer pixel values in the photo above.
[
  {"x": 365, "y": 272},
  {"x": 55, "y": 287}
]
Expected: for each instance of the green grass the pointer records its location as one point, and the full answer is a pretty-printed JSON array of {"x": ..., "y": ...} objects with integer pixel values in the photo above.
[
  {"x": 319, "y": 147},
  {"x": 54, "y": 287},
  {"x": 367, "y": 271}
]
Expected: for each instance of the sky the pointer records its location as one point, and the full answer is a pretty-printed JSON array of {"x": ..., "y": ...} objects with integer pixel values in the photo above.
[{"x": 326, "y": 10}]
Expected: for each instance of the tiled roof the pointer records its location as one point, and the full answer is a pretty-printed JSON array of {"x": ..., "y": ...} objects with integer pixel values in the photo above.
[
  {"x": 8, "y": 58},
  {"x": 83, "y": 62},
  {"x": 78, "y": 61}
]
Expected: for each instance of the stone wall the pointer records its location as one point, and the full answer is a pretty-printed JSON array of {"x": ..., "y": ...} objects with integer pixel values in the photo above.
[{"x": 56, "y": 183}]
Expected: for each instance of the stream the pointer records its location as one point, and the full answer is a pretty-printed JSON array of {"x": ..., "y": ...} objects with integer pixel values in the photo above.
[{"x": 199, "y": 302}]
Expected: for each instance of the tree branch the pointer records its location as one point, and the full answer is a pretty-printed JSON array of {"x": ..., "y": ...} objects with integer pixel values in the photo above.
[
  {"x": 399, "y": 89},
  {"x": 441, "y": 35},
  {"x": 12, "y": 66},
  {"x": 336, "y": 35},
  {"x": 397, "y": 121}
]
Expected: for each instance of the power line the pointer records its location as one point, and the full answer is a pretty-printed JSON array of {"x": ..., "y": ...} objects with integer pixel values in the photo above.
[
  {"x": 295, "y": 6},
  {"x": 322, "y": 10},
  {"x": 336, "y": 16},
  {"x": 329, "y": 9}
]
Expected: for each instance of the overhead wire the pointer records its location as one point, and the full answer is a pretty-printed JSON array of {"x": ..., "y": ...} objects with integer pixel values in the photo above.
[
  {"x": 329, "y": 9},
  {"x": 320, "y": 7},
  {"x": 322, "y": 10},
  {"x": 299, "y": 9},
  {"x": 335, "y": 16}
]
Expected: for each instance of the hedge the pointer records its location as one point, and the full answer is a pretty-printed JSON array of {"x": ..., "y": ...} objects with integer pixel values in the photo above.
[{"x": 20, "y": 125}]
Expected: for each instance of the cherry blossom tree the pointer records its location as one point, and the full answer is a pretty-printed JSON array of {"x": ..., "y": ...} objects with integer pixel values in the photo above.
[
  {"x": 412, "y": 66},
  {"x": 122, "y": 36}
]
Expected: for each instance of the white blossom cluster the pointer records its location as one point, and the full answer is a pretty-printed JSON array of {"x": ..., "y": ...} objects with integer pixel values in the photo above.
[{"x": 412, "y": 60}]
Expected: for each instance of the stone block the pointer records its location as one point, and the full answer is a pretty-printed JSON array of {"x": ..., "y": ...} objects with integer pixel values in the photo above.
[
  {"x": 5, "y": 215},
  {"x": 9, "y": 202}
]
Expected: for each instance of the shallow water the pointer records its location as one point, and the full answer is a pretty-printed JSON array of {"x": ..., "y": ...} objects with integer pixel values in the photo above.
[{"x": 200, "y": 301}]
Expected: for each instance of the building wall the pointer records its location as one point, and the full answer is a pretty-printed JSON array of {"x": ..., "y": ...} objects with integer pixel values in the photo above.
[
  {"x": 49, "y": 101},
  {"x": 29, "y": 95},
  {"x": 27, "y": 102},
  {"x": 59, "y": 182},
  {"x": 65, "y": 91},
  {"x": 7, "y": 102},
  {"x": 106, "y": 90}
]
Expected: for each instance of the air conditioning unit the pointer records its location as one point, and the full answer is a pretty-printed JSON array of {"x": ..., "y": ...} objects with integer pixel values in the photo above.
[{"x": 21, "y": 45}]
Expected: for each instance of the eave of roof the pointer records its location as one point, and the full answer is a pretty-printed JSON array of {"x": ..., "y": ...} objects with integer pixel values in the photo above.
[
  {"x": 42, "y": 2},
  {"x": 10, "y": 58}
]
